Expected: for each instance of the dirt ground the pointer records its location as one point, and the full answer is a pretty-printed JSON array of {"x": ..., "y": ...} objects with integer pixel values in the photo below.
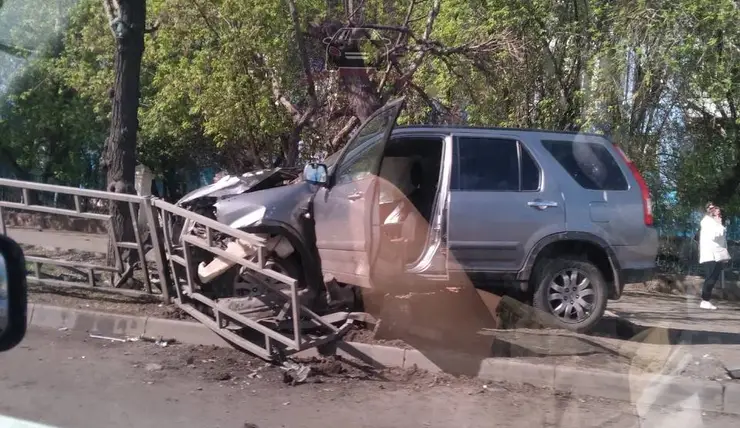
[
  {"x": 102, "y": 279},
  {"x": 241, "y": 370},
  {"x": 102, "y": 300}
]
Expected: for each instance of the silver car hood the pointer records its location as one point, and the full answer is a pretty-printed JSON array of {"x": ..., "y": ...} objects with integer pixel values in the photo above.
[
  {"x": 280, "y": 204},
  {"x": 229, "y": 185}
]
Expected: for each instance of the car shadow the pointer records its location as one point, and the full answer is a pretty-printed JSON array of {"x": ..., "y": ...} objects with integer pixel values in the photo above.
[
  {"x": 458, "y": 330},
  {"x": 624, "y": 329}
]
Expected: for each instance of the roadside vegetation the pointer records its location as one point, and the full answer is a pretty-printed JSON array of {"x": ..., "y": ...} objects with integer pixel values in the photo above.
[{"x": 245, "y": 84}]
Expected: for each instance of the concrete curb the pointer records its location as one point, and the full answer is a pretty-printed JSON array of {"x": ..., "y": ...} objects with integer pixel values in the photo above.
[{"x": 641, "y": 389}]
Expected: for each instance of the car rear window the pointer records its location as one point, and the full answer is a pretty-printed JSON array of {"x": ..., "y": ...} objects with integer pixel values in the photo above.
[{"x": 590, "y": 164}]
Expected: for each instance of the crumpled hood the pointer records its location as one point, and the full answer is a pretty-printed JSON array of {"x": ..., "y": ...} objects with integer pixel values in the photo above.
[
  {"x": 280, "y": 204},
  {"x": 237, "y": 184}
]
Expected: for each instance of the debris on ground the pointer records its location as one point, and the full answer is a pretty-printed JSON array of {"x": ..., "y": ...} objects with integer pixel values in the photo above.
[
  {"x": 238, "y": 369},
  {"x": 112, "y": 339},
  {"x": 295, "y": 373},
  {"x": 159, "y": 341}
]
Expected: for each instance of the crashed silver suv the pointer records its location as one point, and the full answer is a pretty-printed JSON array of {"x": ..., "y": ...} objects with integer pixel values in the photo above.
[{"x": 565, "y": 216}]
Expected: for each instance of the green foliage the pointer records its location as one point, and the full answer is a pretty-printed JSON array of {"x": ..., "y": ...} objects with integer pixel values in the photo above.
[
  {"x": 661, "y": 76},
  {"x": 50, "y": 131}
]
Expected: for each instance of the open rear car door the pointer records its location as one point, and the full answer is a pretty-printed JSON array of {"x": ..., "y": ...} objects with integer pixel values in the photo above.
[{"x": 346, "y": 210}]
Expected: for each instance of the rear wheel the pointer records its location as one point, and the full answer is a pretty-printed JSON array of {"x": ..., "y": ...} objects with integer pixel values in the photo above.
[{"x": 571, "y": 293}]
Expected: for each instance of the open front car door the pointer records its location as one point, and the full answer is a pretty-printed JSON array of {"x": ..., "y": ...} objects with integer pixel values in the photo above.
[{"x": 346, "y": 210}]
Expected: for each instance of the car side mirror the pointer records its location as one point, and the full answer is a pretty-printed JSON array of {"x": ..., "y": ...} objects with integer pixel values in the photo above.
[
  {"x": 13, "y": 294},
  {"x": 316, "y": 173}
]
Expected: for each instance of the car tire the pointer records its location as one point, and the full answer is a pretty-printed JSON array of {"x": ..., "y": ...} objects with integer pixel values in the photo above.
[
  {"x": 290, "y": 266},
  {"x": 563, "y": 304}
]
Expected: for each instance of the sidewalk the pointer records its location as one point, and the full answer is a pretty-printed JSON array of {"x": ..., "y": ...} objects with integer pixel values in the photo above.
[{"x": 703, "y": 334}]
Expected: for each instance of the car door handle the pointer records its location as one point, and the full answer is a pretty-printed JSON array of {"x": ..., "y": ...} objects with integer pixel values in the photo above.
[
  {"x": 354, "y": 196},
  {"x": 542, "y": 205}
]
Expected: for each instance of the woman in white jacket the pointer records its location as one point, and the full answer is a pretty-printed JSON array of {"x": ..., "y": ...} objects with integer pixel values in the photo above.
[{"x": 712, "y": 252}]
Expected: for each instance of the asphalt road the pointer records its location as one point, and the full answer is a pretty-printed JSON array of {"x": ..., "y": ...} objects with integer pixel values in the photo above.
[{"x": 70, "y": 380}]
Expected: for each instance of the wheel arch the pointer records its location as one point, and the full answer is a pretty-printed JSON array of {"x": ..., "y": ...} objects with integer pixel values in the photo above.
[
  {"x": 595, "y": 249},
  {"x": 307, "y": 254}
]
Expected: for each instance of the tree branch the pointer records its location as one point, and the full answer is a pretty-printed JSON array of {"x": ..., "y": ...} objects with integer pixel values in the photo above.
[
  {"x": 401, "y": 34},
  {"x": 206, "y": 20},
  {"x": 15, "y": 50},
  {"x": 112, "y": 10},
  {"x": 733, "y": 108},
  {"x": 305, "y": 63},
  {"x": 280, "y": 98},
  {"x": 432, "y": 103},
  {"x": 344, "y": 132},
  {"x": 404, "y": 29},
  {"x": 416, "y": 63}
]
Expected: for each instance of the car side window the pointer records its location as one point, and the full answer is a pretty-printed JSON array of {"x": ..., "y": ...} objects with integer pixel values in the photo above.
[
  {"x": 363, "y": 154},
  {"x": 487, "y": 164},
  {"x": 493, "y": 164},
  {"x": 530, "y": 171},
  {"x": 361, "y": 162}
]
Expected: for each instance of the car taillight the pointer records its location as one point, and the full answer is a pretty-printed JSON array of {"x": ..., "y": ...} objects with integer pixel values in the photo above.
[{"x": 647, "y": 203}]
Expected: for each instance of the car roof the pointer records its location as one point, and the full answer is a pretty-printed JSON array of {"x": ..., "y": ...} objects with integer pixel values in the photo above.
[{"x": 453, "y": 128}]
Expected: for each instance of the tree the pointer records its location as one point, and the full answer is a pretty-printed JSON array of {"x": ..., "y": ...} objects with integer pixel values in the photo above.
[
  {"x": 127, "y": 19},
  {"x": 50, "y": 131}
]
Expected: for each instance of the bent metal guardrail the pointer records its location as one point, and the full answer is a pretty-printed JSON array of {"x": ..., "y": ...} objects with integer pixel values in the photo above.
[
  {"x": 271, "y": 343},
  {"x": 81, "y": 197},
  {"x": 174, "y": 267}
]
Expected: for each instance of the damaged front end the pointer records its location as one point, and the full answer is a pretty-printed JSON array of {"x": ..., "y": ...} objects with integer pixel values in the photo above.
[
  {"x": 273, "y": 206},
  {"x": 202, "y": 200},
  {"x": 231, "y": 286}
]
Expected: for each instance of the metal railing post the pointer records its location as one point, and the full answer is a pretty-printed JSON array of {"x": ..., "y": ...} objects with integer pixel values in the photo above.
[{"x": 154, "y": 230}]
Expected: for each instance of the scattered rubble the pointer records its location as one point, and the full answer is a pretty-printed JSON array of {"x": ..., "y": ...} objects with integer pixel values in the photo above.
[
  {"x": 159, "y": 341},
  {"x": 295, "y": 373}
]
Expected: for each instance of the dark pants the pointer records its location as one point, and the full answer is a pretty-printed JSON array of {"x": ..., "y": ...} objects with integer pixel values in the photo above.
[{"x": 712, "y": 270}]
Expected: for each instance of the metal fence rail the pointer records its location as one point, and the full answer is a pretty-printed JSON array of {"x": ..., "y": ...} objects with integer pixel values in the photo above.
[
  {"x": 178, "y": 255},
  {"x": 293, "y": 329},
  {"x": 31, "y": 202}
]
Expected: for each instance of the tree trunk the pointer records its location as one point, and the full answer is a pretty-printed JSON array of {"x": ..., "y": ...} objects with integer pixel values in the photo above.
[
  {"x": 361, "y": 92},
  {"x": 10, "y": 161},
  {"x": 289, "y": 142},
  {"x": 120, "y": 154}
]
